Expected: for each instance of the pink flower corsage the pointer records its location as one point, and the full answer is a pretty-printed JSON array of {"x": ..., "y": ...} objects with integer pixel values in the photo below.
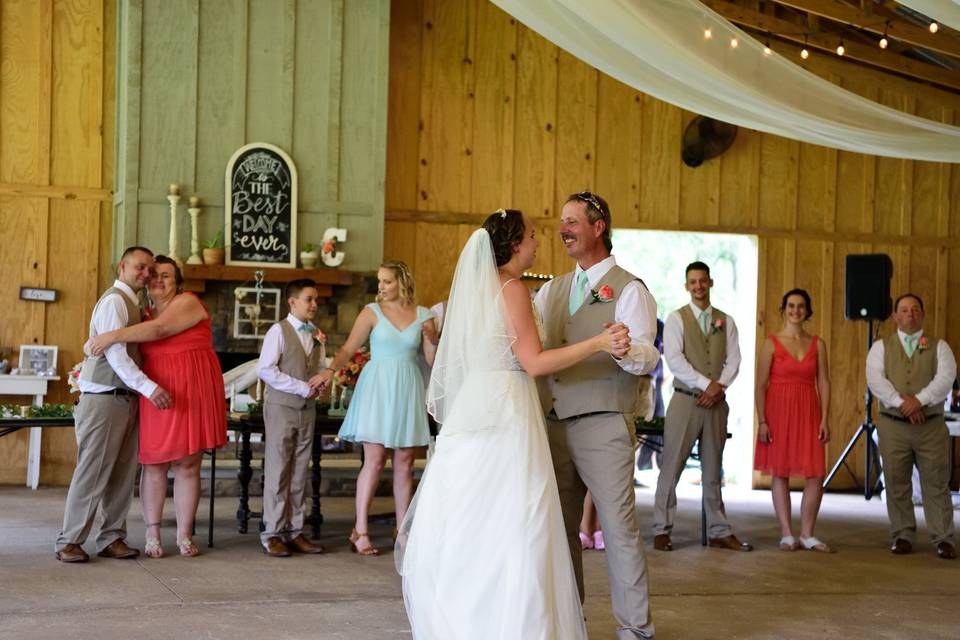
[
  {"x": 923, "y": 344},
  {"x": 718, "y": 325},
  {"x": 603, "y": 294},
  {"x": 319, "y": 338}
]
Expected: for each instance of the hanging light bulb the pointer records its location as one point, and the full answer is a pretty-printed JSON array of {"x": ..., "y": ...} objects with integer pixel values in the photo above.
[
  {"x": 934, "y": 27},
  {"x": 840, "y": 49},
  {"x": 766, "y": 48},
  {"x": 883, "y": 41},
  {"x": 804, "y": 53},
  {"x": 734, "y": 43},
  {"x": 707, "y": 33}
]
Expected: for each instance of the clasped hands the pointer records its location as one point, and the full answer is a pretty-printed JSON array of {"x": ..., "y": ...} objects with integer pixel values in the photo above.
[
  {"x": 713, "y": 394},
  {"x": 619, "y": 339},
  {"x": 320, "y": 382},
  {"x": 912, "y": 409}
]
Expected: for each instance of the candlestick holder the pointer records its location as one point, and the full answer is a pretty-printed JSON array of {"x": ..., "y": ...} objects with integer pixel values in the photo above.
[
  {"x": 194, "y": 212},
  {"x": 174, "y": 199}
]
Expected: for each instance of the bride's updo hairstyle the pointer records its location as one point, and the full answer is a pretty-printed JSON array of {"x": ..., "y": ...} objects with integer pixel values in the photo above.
[{"x": 506, "y": 231}]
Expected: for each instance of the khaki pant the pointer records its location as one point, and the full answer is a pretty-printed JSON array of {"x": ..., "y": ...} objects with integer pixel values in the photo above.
[
  {"x": 288, "y": 443},
  {"x": 928, "y": 445},
  {"x": 685, "y": 423},
  {"x": 596, "y": 453},
  {"x": 107, "y": 444}
]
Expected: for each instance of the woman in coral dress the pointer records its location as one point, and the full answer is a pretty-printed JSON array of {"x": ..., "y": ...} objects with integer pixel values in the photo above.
[
  {"x": 178, "y": 355},
  {"x": 793, "y": 400}
]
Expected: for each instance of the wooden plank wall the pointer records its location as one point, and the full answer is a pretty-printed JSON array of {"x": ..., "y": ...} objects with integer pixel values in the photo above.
[
  {"x": 484, "y": 113},
  {"x": 56, "y": 158},
  {"x": 199, "y": 79}
]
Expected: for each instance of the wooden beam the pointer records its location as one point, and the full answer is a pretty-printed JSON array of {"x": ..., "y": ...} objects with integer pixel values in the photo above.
[
  {"x": 874, "y": 56},
  {"x": 899, "y": 29}
]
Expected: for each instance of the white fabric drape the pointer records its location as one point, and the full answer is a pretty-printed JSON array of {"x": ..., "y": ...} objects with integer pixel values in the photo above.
[
  {"x": 943, "y": 11},
  {"x": 658, "y": 47}
]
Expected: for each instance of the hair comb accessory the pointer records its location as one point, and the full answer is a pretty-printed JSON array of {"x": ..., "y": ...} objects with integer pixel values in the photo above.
[{"x": 502, "y": 212}]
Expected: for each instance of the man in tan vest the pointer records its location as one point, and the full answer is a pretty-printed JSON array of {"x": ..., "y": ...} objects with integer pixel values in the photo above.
[
  {"x": 106, "y": 422},
  {"x": 591, "y": 441},
  {"x": 911, "y": 375},
  {"x": 292, "y": 353},
  {"x": 701, "y": 347}
]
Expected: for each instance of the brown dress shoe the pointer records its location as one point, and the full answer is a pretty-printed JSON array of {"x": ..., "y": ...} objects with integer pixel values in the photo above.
[
  {"x": 662, "y": 542},
  {"x": 901, "y": 547},
  {"x": 72, "y": 553},
  {"x": 119, "y": 550},
  {"x": 945, "y": 551},
  {"x": 301, "y": 545},
  {"x": 274, "y": 547},
  {"x": 730, "y": 542}
]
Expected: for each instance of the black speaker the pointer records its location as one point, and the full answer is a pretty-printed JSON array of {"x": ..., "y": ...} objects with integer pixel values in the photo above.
[{"x": 867, "y": 287}]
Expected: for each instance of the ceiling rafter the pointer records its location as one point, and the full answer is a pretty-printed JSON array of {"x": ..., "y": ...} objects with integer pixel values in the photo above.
[{"x": 866, "y": 53}]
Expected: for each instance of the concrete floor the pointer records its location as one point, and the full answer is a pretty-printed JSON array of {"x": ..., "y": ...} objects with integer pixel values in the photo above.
[{"x": 234, "y": 591}]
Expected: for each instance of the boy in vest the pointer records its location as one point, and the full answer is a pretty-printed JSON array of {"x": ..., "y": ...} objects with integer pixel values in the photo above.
[
  {"x": 701, "y": 348},
  {"x": 911, "y": 374},
  {"x": 291, "y": 354},
  {"x": 591, "y": 440},
  {"x": 107, "y": 424}
]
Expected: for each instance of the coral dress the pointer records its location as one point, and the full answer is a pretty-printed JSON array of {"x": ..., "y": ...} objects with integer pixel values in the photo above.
[
  {"x": 388, "y": 406},
  {"x": 186, "y": 366},
  {"x": 793, "y": 417}
]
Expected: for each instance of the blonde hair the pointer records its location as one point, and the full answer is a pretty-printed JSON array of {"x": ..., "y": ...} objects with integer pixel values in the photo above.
[{"x": 404, "y": 278}]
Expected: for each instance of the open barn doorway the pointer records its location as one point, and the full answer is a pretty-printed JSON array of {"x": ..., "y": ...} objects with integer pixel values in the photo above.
[{"x": 660, "y": 259}]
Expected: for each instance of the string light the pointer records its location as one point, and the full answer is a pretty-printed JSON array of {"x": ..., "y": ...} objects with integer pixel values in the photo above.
[
  {"x": 934, "y": 27},
  {"x": 840, "y": 49},
  {"x": 734, "y": 43},
  {"x": 883, "y": 41},
  {"x": 803, "y": 52},
  {"x": 707, "y": 33},
  {"x": 766, "y": 48}
]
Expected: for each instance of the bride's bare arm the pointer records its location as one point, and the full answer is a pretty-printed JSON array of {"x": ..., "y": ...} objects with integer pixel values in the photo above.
[{"x": 528, "y": 349}]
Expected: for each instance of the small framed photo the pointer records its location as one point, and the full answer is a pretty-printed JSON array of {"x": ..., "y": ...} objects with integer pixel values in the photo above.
[{"x": 38, "y": 357}]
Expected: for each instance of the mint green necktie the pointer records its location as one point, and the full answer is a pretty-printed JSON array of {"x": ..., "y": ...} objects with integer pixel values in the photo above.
[
  {"x": 703, "y": 321},
  {"x": 909, "y": 345},
  {"x": 579, "y": 292}
]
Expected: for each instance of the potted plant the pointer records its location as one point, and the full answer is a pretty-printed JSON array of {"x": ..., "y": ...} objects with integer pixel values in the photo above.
[
  {"x": 213, "y": 251},
  {"x": 309, "y": 255}
]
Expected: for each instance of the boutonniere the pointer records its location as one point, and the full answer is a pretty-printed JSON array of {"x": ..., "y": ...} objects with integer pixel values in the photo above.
[
  {"x": 319, "y": 338},
  {"x": 923, "y": 344},
  {"x": 603, "y": 294},
  {"x": 718, "y": 325}
]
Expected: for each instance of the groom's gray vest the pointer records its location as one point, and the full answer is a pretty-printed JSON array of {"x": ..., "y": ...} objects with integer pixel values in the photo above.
[
  {"x": 596, "y": 384},
  {"x": 97, "y": 369}
]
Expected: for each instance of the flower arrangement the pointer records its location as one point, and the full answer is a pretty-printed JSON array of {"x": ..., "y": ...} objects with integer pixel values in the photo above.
[
  {"x": 73, "y": 378},
  {"x": 348, "y": 375},
  {"x": 603, "y": 294}
]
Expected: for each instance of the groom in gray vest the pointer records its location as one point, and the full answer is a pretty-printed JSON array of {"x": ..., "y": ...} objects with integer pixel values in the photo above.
[
  {"x": 107, "y": 422},
  {"x": 591, "y": 441}
]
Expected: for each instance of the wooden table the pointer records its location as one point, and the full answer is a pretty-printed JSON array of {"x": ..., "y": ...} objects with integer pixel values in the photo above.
[{"x": 246, "y": 425}]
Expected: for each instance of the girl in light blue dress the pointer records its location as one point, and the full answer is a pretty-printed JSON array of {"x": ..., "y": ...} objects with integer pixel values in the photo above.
[{"x": 388, "y": 409}]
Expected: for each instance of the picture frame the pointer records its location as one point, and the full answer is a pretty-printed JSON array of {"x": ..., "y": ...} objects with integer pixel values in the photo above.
[{"x": 38, "y": 357}]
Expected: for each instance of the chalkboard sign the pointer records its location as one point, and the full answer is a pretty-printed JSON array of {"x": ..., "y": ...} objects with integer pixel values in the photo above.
[{"x": 261, "y": 207}]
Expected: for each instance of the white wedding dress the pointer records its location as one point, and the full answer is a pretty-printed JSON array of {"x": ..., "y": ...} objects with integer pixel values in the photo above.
[{"x": 483, "y": 552}]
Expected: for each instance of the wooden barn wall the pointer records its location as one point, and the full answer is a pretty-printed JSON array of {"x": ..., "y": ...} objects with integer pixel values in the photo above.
[
  {"x": 484, "y": 113},
  {"x": 198, "y": 79},
  {"x": 57, "y": 61}
]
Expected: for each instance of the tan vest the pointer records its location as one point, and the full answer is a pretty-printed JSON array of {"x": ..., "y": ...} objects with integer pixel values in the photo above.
[
  {"x": 295, "y": 363},
  {"x": 910, "y": 375},
  {"x": 597, "y": 383},
  {"x": 96, "y": 369},
  {"x": 706, "y": 353}
]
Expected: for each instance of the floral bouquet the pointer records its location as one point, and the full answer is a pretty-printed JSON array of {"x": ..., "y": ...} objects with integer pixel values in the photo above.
[
  {"x": 348, "y": 375},
  {"x": 73, "y": 378}
]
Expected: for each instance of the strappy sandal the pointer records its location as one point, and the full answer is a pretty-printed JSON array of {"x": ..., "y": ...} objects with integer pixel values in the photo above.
[
  {"x": 355, "y": 537},
  {"x": 187, "y": 548},
  {"x": 789, "y": 543},
  {"x": 813, "y": 544},
  {"x": 152, "y": 548}
]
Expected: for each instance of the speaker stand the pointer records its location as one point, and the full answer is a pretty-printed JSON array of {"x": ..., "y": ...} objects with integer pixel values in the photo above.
[{"x": 868, "y": 429}]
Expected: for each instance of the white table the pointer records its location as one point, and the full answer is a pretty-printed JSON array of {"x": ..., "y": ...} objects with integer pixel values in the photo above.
[{"x": 35, "y": 386}]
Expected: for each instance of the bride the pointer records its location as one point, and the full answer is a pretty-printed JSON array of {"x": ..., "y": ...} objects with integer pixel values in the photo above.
[{"x": 482, "y": 551}]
